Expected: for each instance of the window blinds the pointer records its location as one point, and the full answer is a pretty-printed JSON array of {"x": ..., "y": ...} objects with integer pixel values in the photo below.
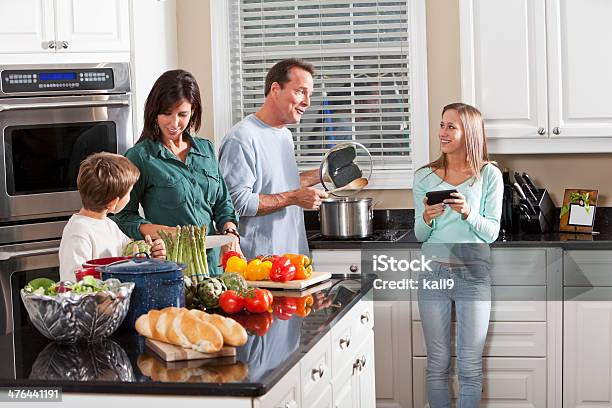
[{"x": 361, "y": 87}]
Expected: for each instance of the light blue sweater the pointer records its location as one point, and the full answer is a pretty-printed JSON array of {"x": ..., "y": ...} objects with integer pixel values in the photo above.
[
  {"x": 258, "y": 159},
  {"x": 484, "y": 196}
]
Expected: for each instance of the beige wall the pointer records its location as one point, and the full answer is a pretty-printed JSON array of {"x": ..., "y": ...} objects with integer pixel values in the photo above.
[{"x": 556, "y": 172}]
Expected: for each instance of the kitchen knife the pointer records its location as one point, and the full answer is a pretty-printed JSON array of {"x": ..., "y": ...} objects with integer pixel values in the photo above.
[
  {"x": 528, "y": 192},
  {"x": 530, "y": 182},
  {"x": 525, "y": 201},
  {"x": 523, "y": 208}
]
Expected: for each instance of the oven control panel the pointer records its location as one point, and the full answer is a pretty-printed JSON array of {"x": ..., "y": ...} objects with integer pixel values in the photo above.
[{"x": 49, "y": 80}]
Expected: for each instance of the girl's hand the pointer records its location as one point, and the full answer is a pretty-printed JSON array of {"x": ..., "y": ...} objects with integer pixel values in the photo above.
[
  {"x": 459, "y": 204},
  {"x": 432, "y": 211}
]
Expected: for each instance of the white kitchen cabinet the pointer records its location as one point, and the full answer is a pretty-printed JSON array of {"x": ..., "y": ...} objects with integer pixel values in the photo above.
[
  {"x": 507, "y": 382},
  {"x": 337, "y": 261},
  {"x": 587, "y": 348},
  {"x": 285, "y": 394},
  {"x": 49, "y": 26},
  {"x": 364, "y": 381},
  {"x": 532, "y": 68},
  {"x": 392, "y": 344}
]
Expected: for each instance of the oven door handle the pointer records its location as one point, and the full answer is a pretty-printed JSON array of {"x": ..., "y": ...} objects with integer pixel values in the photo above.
[
  {"x": 72, "y": 104},
  {"x": 5, "y": 256}
]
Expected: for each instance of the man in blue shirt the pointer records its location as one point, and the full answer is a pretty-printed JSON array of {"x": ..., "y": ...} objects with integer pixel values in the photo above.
[{"x": 258, "y": 165}]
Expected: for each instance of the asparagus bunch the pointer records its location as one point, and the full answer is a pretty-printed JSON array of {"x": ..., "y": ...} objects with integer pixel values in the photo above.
[{"x": 188, "y": 246}]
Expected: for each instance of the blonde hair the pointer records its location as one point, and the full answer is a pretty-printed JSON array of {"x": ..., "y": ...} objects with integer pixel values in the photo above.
[
  {"x": 104, "y": 177},
  {"x": 474, "y": 137}
]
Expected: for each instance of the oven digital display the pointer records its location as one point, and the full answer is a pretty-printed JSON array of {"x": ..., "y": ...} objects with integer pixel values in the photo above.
[{"x": 57, "y": 76}]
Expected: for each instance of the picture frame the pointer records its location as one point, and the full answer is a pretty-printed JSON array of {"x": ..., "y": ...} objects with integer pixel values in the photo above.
[{"x": 578, "y": 211}]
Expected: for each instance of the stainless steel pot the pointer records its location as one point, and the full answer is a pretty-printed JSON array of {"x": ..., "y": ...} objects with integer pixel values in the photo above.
[{"x": 346, "y": 217}]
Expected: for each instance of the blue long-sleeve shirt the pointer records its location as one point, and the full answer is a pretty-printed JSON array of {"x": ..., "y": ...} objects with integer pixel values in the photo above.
[{"x": 254, "y": 159}]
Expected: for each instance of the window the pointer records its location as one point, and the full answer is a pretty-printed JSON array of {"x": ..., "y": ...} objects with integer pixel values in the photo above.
[{"x": 364, "y": 83}]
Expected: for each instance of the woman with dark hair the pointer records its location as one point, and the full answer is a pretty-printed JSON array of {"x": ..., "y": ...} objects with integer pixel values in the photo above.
[{"x": 179, "y": 183}]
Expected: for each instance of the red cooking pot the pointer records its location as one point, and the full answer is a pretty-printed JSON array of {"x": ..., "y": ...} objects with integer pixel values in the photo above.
[{"x": 89, "y": 267}]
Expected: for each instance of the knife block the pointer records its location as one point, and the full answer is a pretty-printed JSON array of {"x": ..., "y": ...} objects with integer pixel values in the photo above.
[{"x": 544, "y": 220}]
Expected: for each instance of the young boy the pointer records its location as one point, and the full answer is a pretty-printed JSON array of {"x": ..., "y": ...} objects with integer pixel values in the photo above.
[{"x": 105, "y": 181}]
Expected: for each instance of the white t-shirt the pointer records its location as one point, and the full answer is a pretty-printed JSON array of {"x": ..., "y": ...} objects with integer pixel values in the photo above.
[{"x": 86, "y": 238}]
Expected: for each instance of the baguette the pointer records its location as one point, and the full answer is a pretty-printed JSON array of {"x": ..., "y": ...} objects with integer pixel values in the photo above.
[
  {"x": 233, "y": 332},
  {"x": 177, "y": 326}
]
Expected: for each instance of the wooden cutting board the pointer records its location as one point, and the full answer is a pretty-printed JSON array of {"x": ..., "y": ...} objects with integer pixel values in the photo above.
[
  {"x": 170, "y": 352},
  {"x": 315, "y": 278}
]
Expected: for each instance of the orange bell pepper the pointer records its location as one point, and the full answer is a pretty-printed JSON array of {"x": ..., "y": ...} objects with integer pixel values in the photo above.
[
  {"x": 303, "y": 266},
  {"x": 304, "y": 305}
]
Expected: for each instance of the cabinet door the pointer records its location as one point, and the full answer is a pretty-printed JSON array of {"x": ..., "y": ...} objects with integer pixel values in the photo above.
[
  {"x": 392, "y": 345},
  {"x": 92, "y": 26},
  {"x": 367, "y": 388},
  {"x": 27, "y": 26},
  {"x": 579, "y": 67},
  {"x": 587, "y": 350},
  {"x": 285, "y": 394},
  {"x": 503, "y": 65},
  {"x": 507, "y": 382},
  {"x": 342, "y": 386}
]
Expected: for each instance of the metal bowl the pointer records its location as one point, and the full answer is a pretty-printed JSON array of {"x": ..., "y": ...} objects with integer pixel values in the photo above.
[{"x": 70, "y": 317}]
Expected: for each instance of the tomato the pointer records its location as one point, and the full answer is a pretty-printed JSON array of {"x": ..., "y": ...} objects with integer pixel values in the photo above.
[
  {"x": 282, "y": 270},
  {"x": 257, "y": 301},
  {"x": 236, "y": 264},
  {"x": 231, "y": 302},
  {"x": 227, "y": 256},
  {"x": 257, "y": 324},
  {"x": 284, "y": 307},
  {"x": 268, "y": 295},
  {"x": 303, "y": 265}
]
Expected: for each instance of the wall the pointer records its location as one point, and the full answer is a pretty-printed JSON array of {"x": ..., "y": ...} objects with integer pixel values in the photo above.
[
  {"x": 556, "y": 172},
  {"x": 153, "y": 38},
  {"x": 194, "y": 52}
]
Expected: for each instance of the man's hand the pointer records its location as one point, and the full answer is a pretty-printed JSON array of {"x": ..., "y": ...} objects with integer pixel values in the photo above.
[{"x": 309, "y": 198}]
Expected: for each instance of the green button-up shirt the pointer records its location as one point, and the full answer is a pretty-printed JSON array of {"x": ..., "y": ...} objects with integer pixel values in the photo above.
[{"x": 175, "y": 193}]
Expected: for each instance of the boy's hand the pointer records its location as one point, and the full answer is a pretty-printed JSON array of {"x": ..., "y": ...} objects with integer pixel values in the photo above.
[{"x": 158, "y": 248}]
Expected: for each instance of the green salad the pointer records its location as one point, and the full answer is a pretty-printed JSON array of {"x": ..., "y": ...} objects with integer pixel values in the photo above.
[{"x": 46, "y": 286}]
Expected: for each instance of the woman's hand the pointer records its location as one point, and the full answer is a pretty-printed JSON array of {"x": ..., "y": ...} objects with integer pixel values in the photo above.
[
  {"x": 459, "y": 204},
  {"x": 432, "y": 211},
  {"x": 232, "y": 246},
  {"x": 158, "y": 247}
]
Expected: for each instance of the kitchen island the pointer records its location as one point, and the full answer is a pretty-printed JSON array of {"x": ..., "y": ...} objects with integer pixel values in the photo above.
[{"x": 287, "y": 361}]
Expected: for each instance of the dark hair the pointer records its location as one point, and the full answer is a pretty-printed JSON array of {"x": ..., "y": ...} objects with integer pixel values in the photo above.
[
  {"x": 169, "y": 89},
  {"x": 280, "y": 72},
  {"x": 103, "y": 177}
]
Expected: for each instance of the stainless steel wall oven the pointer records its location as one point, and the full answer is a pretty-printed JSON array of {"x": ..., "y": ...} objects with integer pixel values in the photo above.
[{"x": 51, "y": 118}]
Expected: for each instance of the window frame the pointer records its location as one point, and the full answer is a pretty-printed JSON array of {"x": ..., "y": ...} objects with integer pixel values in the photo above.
[{"x": 419, "y": 121}]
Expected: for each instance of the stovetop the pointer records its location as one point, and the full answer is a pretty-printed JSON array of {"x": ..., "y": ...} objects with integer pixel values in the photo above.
[{"x": 377, "y": 236}]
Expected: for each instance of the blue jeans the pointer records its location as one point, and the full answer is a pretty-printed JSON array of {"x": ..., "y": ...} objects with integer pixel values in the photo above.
[{"x": 471, "y": 294}]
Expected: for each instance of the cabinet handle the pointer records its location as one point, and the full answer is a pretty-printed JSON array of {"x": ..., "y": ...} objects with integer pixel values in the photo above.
[
  {"x": 345, "y": 341},
  {"x": 363, "y": 362},
  {"x": 320, "y": 371},
  {"x": 541, "y": 131},
  {"x": 356, "y": 365},
  {"x": 366, "y": 317},
  {"x": 51, "y": 45},
  {"x": 291, "y": 404},
  {"x": 556, "y": 131},
  {"x": 354, "y": 268},
  {"x": 65, "y": 44}
]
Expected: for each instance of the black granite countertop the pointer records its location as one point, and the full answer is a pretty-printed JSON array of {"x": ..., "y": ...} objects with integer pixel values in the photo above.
[
  {"x": 122, "y": 364},
  {"x": 403, "y": 219}
]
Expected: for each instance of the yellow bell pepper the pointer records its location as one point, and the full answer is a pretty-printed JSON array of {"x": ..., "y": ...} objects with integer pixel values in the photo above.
[{"x": 257, "y": 270}]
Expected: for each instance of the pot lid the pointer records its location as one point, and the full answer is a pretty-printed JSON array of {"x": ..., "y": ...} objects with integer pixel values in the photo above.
[
  {"x": 141, "y": 265},
  {"x": 344, "y": 163}
]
